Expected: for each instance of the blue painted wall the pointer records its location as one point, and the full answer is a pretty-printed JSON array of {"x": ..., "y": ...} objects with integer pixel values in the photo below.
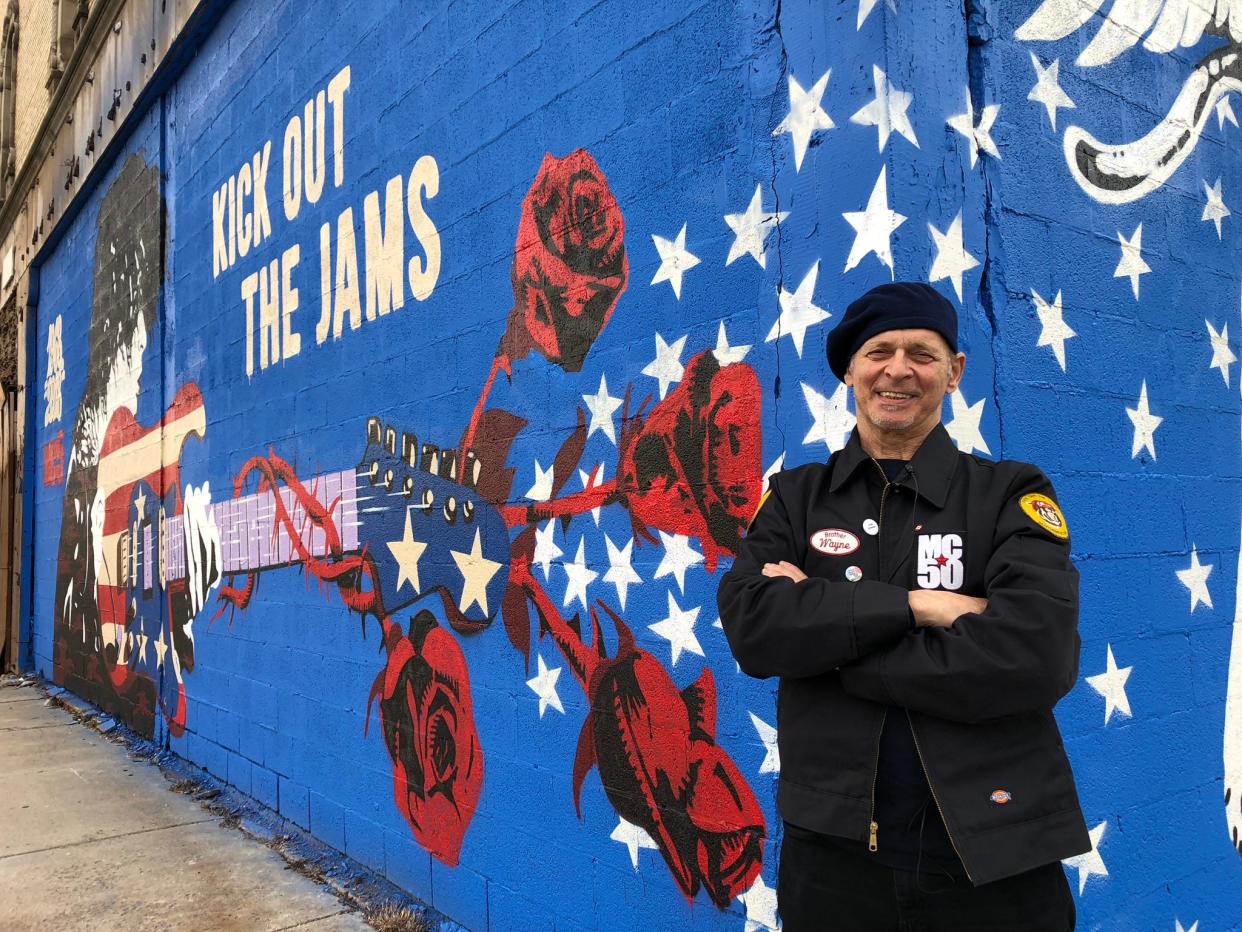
[{"x": 683, "y": 111}]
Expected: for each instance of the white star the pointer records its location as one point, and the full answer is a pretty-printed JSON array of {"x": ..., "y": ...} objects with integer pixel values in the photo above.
[
  {"x": 833, "y": 420},
  {"x": 161, "y": 648},
  {"x": 1091, "y": 862},
  {"x": 546, "y": 550},
  {"x": 675, "y": 260},
  {"x": 777, "y": 465},
  {"x": 602, "y": 407},
  {"x": 964, "y": 428},
  {"x": 887, "y": 110},
  {"x": 1222, "y": 355},
  {"x": 1145, "y": 424},
  {"x": 760, "y": 899},
  {"x": 874, "y": 226},
  {"x": 1181, "y": 928},
  {"x": 726, "y": 354},
  {"x": 633, "y": 838},
  {"x": 620, "y": 570},
  {"x": 806, "y": 115},
  {"x": 1047, "y": 89},
  {"x": 142, "y": 647},
  {"x": 1215, "y": 209},
  {"x": 476, "y": 573},
  {"x": 580, "y": 576},
  {"x": 952, "y": 259},
  {"x": 1054, "y": 331},
  {"x": 1224, "y": 112},
  {"x": 407, "y": 552},
  {"x": 589, "y": 481},
  {"x": 1132, "y": 264},
  {"x": 751, "y": 229},
  {"x": 544, "y": 686},
  {"x": 678, "y": 629},
  {"x": 678, "y": 557},
  {"x": 980, "y": 136},
  {"x": 541, "y": 490},
  {"x": 1111, "y": 684},
  {"x": 864, "y": 10},
  {"x": 767, "y": 734},
  {"x": 1194, "y": 578},
  {"x": 666, "y": 368},
  {"x": 140, "y": 503},
  {"x": 798, "y": 311}
]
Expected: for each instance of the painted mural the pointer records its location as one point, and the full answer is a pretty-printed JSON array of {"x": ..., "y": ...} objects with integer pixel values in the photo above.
[{"x": 405, "y": 412}]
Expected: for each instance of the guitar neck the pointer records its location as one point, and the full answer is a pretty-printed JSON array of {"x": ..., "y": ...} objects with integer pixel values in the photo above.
[{"x": 253, "y": 538}]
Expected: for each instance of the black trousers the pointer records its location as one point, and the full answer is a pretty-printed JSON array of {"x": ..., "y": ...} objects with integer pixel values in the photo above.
[{"x": 823, "y": 888}]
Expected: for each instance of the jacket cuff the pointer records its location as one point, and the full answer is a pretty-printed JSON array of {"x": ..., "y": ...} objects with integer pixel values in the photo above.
[{"x": 881, "y": 616}]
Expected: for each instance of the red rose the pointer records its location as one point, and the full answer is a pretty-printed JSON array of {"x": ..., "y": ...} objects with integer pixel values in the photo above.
[
  {"x": 692, "y": 466},
  {"x": 428, "y": 723},
  {"x": 569, "y": 266}
]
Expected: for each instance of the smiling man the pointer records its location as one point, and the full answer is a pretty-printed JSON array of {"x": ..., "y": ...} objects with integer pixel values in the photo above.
[{"x": 921, "y": 611}]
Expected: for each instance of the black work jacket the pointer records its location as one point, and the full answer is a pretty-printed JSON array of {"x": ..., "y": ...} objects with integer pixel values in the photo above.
[{"x": 980, "y": 693}]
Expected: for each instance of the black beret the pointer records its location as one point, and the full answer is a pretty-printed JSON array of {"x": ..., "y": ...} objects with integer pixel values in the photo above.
[{"x": 896, "y": 306}]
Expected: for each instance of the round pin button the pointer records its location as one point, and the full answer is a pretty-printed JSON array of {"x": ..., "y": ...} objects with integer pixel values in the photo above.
[
  {"x": 870, "y": 526},
  {"x": 853, "y": 574}
]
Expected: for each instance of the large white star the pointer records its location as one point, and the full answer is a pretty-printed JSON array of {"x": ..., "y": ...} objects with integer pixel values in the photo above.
[
  {"x": 771, "y": 753},
  {"x": 675, "y": 260},
  {"x": 864, "y": 10},
  {"x": 1047, "y": 89},
  {"x": 1131, "y": 264},
  {"x": 666, "y": 368},
  {"x": 678, "y": 557},
  {"x": 1194, "y": 578},
  {"x": 678, "y": 629},
  {"x": 951, "y": 259},
  {"x": 798, "y": 311},
  {"x": 1111, "y": 684},
  {"x": 1091, "y": 862},
  {"x": 964, "y": 428},
  {"x": 602, "y": 407},
  {"x": 980, "y": 136},
  {"x": 751, "y": 229},
  {"x": 887, "y": 110},
  {"x": 726, "y": 354},
  {"x": 633, "y": 838},
  {"x": 541, "y": 489},
  {"x": 1054, "y": 331},
  {"x": 806, "y": 116},
  {"x": 544, "y": 686},
  {"x": 833, "y": 419},
  {"x": 407, "y": 552},
  {"x": 1178, "y": 927},
  {"x": 1145, "y": 424},
  {"x": 760, "y": 901},
  {"x": 621, "y": 571},
  {"x": 546, "y": 550},
  {"x": 1215, "y": 209},
  {"x": 1222, "y": 355},
  {"x": 580, "y": 576},
  {"x": 476, "y": 572},
  {"x": 873, "y": 227}
]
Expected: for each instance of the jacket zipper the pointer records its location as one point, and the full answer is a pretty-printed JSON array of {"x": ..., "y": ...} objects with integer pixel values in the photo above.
[
  {"x": 935, "y": 799},
  {"x": 874, "y": 827}
]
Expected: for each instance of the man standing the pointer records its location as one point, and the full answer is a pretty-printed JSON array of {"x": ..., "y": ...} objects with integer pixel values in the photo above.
[{"x": 921, "y": 610}]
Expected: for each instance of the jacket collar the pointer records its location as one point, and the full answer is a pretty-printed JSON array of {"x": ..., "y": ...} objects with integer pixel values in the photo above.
[{"x": 932, "y": 467}]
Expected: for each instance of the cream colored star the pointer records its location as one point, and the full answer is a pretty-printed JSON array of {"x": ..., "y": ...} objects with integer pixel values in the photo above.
[
  {"x": 1222, "y": 355},
  {"x": 161, "y": 648},
  {"x": 1195, "y": 578},
  {"x": 1131, "y": 264},
  {"x": 806, "y": 116},
  {"x": 407, "y": 551},
  {"x": 477, "y": 572},
  {"x": 140, "y": 504}
]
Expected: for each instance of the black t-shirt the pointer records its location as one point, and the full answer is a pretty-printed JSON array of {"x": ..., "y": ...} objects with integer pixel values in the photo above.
[{"x": 911, "y": 834}]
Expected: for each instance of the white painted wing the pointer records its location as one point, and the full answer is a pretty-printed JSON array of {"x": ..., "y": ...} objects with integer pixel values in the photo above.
[{"x": 1163, "y": 25}]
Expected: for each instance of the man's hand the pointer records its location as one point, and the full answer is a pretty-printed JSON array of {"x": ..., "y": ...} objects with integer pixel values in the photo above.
[
  {"x": 784, "y": 568},
  {"x": 935, "y": 608}
]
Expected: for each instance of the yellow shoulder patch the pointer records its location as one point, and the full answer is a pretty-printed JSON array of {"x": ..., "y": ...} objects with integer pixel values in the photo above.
[
  {"x": 766, "y": 493},
  {"x": 1044, "y": 511}
]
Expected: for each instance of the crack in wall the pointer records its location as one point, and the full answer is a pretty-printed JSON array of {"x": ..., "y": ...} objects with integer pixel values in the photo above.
[{"x": 782, "y": 75}]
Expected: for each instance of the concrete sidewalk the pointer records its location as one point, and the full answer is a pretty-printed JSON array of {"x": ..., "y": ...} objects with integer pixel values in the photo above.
[{"x": 91, "y": 838}]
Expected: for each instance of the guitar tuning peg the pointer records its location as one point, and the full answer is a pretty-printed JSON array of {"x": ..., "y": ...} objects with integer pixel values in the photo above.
[
  {"x": 431, "y": 459},
  {"x": 467, "y": 511},
  {"x": 471, "y": 469},
  {"x": 450, "y": 510},
  {"x": 373, "y": 472},
  {"x": 373, "y": 430},
  {"x": 448, "y": 465},
  {"x": 408, "y": 486},
  {"x": 390, "y": 441},
  {"x": 429, "y": 499},
  {"x": 388, "y": 480},
  {"x": 409, "y": 450}
]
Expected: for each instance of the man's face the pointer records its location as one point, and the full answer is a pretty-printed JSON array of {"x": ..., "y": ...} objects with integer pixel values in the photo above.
[{"x": 900, "y": 379}]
